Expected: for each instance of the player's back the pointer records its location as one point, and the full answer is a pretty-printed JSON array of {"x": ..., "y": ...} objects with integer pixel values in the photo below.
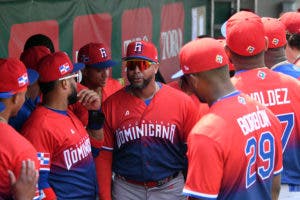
[
  {"x": 234, "y": 151},
  {"x": 280, "y": 93}
]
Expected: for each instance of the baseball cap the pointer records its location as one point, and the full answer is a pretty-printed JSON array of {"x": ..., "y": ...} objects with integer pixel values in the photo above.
[
  {"x": 141, "y": 50},
  {"x": 245, "y": 34},
  {"x": 275, "y": 31},
  {"x": 95, "y": 55},
  {"x": 55, "y": 66},
  {"x": 211, "y": 52},
  {"x": 14, "y": 78},
  {"x": 32, "y": 55},
  {"x": 291, "y": 20}
]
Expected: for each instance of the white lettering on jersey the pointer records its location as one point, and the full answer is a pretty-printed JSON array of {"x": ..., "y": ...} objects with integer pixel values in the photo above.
[
  {"x": 74, "y": 155},
  {"x": 254, "y": 121},
  {"x": 145, "y": 130},
  {"x": 278, "y": 96}
]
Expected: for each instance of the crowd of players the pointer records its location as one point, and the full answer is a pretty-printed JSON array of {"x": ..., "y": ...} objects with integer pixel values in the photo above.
[{"x": 228, "y": 127}]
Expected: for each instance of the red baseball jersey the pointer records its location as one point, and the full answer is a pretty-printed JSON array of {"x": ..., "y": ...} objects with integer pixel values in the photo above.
[
  {"x": 203, "y": 107},
  {"x": 148, "y": 140},
  {"x": 81, "y": 112},
  {"x": 280, "y": 93},
  {"x": 234, "y": 151},
  {"x": 64, "y": 151},
  {"x": 14, "y": 149}
]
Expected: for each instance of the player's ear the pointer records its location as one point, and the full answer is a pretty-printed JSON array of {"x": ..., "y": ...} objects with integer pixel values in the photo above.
[{"x": 64, "y": 83}]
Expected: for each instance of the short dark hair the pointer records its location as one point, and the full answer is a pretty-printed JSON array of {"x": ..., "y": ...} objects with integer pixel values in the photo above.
[
  {"x": 294, "y": 40},
  {"x": 47, "y": 87},
  {"x": 39, "y": 40}
]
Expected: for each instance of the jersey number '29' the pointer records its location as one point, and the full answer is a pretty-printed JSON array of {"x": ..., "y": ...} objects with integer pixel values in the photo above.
[
  {"x": 264, "y": 162},
  {"x": 289, "y": 120}
]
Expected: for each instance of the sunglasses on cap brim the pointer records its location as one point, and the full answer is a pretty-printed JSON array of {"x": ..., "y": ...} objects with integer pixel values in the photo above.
[
  {"x": 74, "y": 75},
  {"x": 141, "y": 64}
]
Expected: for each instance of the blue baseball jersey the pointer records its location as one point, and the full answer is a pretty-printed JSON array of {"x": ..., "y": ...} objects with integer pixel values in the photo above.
[
  {"x": 234, "y": 151},
  {"x": 64, "y": 152},
  {"x": 288, "y": 69},
  {"x": 23, "y": 114},
  {"x": 148, "y": 139},
  {"x": 280, "y": 93}
]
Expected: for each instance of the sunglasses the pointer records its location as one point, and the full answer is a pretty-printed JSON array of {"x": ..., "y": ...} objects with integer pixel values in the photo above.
[
  {"x": 76, "y": 76},
  {"x": 141, "y": 64}
]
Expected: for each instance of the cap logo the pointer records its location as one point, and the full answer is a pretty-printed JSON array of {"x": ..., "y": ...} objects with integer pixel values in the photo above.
[
  {"x": 103, "y": 52},
  {"x": 138, "y": 47},
  {"x": 250, "y": 49},
  {"x": 23, "y": 80},
  {"x": 275, "y": 41},
  {"x": 65, "y": 68},
  {"x": 85, "y": 58},
  {"x": 186, "y": 68},
  {"x": 219, "y": 59}
]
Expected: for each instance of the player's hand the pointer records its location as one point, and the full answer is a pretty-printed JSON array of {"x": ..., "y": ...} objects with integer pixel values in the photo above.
[
  {"x": 89, "y": 99},
  {"x": 25, "y": 187}
]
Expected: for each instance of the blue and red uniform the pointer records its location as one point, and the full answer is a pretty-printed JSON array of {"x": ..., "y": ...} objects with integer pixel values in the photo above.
[
  {"x": 238, "y": 158},
  {"x": 64, "y": 151},
  {"x": 148, "y": 138},
  {"x": 14, "y": 149},
  {"x": 280, "y": 93}
]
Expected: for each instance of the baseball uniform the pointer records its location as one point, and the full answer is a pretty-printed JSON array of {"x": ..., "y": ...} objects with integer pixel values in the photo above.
[
  {"x": 280, "y": 93},
  {"x": 14, "y": 150},
  {"x": 147, "y": 138},
  {"x": 234, "y": 151},
  {"x": 64, "y": 151}
]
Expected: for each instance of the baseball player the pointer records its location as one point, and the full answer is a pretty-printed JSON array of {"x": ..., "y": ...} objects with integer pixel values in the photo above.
[
  {"x": 233, "y": 153},
  {"x": 291, "y": 20},
  {"x": 14, "y": 149},
  {"x": 30, "y": 58},
  {"x": 275, "y": 57},
  {"x": 146, "y": 127},
  {"x": 64, "y": 148},
  {"x": 95, "y": 75},
  {"x": 246, "y": 43}
]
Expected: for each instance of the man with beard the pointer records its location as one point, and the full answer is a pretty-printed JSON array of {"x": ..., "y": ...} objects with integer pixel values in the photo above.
[
  {"x": 146, "y": 127},
  {"x": 67, "y": 169}
]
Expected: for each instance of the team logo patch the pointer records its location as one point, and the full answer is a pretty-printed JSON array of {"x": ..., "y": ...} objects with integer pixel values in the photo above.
[
  {"x": 65, "y": 68},
  {"x": 241, "y": 100},
  {"x": 23, "y": 80},
  {"x": 261, "y": 75},
  {"x": 44, "y": 159},
  {"x": 250, "y": 49},
  {"x": 275, "y": 41},
  {"x": 127, "y": 113},
  {"x": 72, "y": 131},
  {"x": 219, "y": 59}
]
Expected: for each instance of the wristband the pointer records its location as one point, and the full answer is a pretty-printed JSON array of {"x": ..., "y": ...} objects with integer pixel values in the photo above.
[{"x": 96, "y": 120}]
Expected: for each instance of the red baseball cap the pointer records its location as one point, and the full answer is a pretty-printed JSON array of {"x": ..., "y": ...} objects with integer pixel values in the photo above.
[
  {"x": 275, "y": 31},
  {"x": 210, "y": 51},
  {"x": 291, "y": 20},
  {"x": 230, "y": 64},
  {"x": 55, "y": 66},
  {"x": 96, "y": 55},
  {"x": 245, "y": 34},
  {"x": 32, "y": 55},
  {"x": 14, "y": 77},
  {"x": 141, "y": 50}
]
